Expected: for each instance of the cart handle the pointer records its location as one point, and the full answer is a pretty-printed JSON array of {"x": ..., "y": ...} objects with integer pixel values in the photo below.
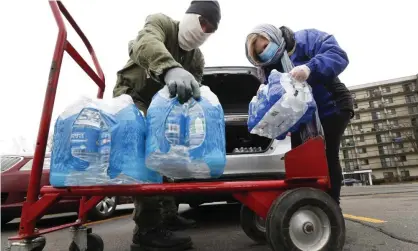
[
  {"x": 62, "y": 44},
  {"x": 57, "y": 7}
]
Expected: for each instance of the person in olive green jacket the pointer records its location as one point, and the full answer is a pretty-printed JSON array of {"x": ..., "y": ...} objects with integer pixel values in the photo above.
[{"x": 166, "y": 52}]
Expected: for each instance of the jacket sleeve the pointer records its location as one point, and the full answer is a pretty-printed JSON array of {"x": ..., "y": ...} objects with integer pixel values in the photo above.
[
  {"x": 148, "y": 49},
  {"x": 326, "y": 56},
  {"x": 197, "y": 66}
]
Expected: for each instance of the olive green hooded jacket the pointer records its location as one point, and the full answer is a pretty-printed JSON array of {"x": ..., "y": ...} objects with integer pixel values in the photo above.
[{"x": 154, "y": 51}]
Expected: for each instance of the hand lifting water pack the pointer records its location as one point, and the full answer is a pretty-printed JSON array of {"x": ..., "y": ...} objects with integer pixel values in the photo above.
[
  {"x": 186, "y": 141},
  {"x": 281, "y": 106},
  {"x": 100, "y": 142}
]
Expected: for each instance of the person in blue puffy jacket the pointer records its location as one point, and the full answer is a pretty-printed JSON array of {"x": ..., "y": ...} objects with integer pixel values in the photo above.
[{"x": 313, "y": 56}]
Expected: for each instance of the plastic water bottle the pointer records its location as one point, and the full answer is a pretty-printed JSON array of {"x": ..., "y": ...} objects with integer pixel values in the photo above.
[
  {"x": 84, "y": 138},
  {"x": 176, "y": 142},
  {"x": 173, "y": 125},
  {"x": 197, "y": 125},
  {"x": 104, "y": 147}
]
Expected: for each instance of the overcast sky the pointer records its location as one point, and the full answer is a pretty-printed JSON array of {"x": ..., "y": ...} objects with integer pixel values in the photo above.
[{"x": 380, "y": 37}]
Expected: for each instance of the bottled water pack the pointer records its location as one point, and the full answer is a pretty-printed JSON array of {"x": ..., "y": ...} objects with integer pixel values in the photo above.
[
  {"x": 100, "y": 142},
  {"x": 186, "y": 141},
  {"x": 281, "y": 106}
]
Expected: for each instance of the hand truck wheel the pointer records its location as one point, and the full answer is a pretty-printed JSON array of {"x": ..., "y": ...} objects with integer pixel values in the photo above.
[
  {"x": 253, "y": 225},
  {"x": 94, "y": 243},
  {"x": 305, "y": 219}
]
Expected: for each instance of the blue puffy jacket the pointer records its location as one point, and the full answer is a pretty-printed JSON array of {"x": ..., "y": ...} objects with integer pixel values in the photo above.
[{"x": 322, "y": 54}]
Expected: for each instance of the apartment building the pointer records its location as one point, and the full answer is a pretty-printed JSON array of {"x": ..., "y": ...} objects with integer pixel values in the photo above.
[{"x": 382, "y": 137}]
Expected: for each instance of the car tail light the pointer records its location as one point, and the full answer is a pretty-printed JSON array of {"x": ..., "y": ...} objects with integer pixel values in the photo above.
[{"x": 4, "y": 197}]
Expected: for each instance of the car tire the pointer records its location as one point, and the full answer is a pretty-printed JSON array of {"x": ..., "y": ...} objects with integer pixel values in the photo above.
[
  {"x": 104, "y": 209},
  {"x": 253, "y": 225}
]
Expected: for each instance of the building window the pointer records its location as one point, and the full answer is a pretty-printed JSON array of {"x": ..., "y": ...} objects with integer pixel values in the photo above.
[
  {"x": 360, "y": 138},
  {"x": 364, "y": 162},
  {"x": 388, "y": 100},
  {"x": 377, "y": 115},
  {"x": 384, "y": 150},
  {"x": 411, "y": 98},
  {"x": 362, "y": 150},
  {"x": 388, "y": 175},
  {"x": 413, "y": 110},
  {"x": 386, "y": 89},
  {"x": 408, "y": 87},
  {"x": 405, "y": 173},
  {"x": 353, "y": 95},
  {"x": 350, "y": 165},
  {"x": 348, "y": 131},
  {"x": 357, "y": 116},
  {"x": 378, "y": 126},
  {"x": 374, "y": 104},
  {"x": 348, "y": 142},
  {"x": 402, "y": 158},
  {"x": 373, "y": 93},
  {"x": 345, "y": 154},
  {"x": 355, "y": 106},
  {"x": 387, "y": 162},
  {"x": 414, "y": 122},
  {"x": 359, "y": 127},
  {"x": 380, "y": 138},
  {"x": 394, "y": 122},
  {"x": 391, "y": 111},
  {"x": 397, "y": 134},
  {"x": 399, "y": 146},
  {"x": 349, "y": 154}
]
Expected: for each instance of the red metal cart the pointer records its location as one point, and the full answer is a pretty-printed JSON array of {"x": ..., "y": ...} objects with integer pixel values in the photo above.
[{"x": 298, "y": 213}]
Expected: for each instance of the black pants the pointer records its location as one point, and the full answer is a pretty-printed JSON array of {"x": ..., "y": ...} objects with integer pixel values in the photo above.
[{"x": 334, "y": 127}]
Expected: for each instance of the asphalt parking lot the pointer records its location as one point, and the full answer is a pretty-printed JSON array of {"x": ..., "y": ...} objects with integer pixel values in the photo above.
[{"x": 378, "y": 218}]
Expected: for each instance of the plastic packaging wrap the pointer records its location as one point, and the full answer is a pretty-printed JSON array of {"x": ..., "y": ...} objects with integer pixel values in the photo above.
[
  {"x": 186, "y": 141},
  {"x": 100, "y": 142},
  {"x": 282, "y": 106}
]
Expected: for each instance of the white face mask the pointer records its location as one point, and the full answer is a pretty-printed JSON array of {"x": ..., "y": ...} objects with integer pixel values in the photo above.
[{"x": 191, "y": 35}]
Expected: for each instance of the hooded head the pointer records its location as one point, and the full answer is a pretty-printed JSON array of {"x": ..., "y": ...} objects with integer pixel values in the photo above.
[
  {"x": 200, "y": 21},
  {"x": 266, "y": 47}
]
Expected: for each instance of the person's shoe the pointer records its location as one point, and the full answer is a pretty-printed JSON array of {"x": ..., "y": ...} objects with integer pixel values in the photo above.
[
  {"x": 160, "y": 239},
  {"x": 178, "y": 222}
]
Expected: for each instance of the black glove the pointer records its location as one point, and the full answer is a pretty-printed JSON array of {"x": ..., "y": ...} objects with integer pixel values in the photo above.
[{"x": 182, "y": 83}]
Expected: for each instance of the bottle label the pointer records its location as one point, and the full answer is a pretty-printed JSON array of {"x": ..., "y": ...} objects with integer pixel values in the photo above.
[{"x": 85, "y": 135}]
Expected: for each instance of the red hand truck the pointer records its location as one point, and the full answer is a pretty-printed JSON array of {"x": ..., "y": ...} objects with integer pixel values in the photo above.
[{"x": 297, "y": 212}]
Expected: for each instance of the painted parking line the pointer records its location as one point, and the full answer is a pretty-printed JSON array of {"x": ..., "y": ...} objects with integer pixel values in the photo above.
[
  {"x": 361, "y": 218},
  {"x": 107, "y": 220},
  {"x": 347, "y": 216}
]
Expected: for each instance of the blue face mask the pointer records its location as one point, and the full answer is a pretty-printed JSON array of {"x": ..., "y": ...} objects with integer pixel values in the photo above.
[{"x": 269, "y": 52}]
